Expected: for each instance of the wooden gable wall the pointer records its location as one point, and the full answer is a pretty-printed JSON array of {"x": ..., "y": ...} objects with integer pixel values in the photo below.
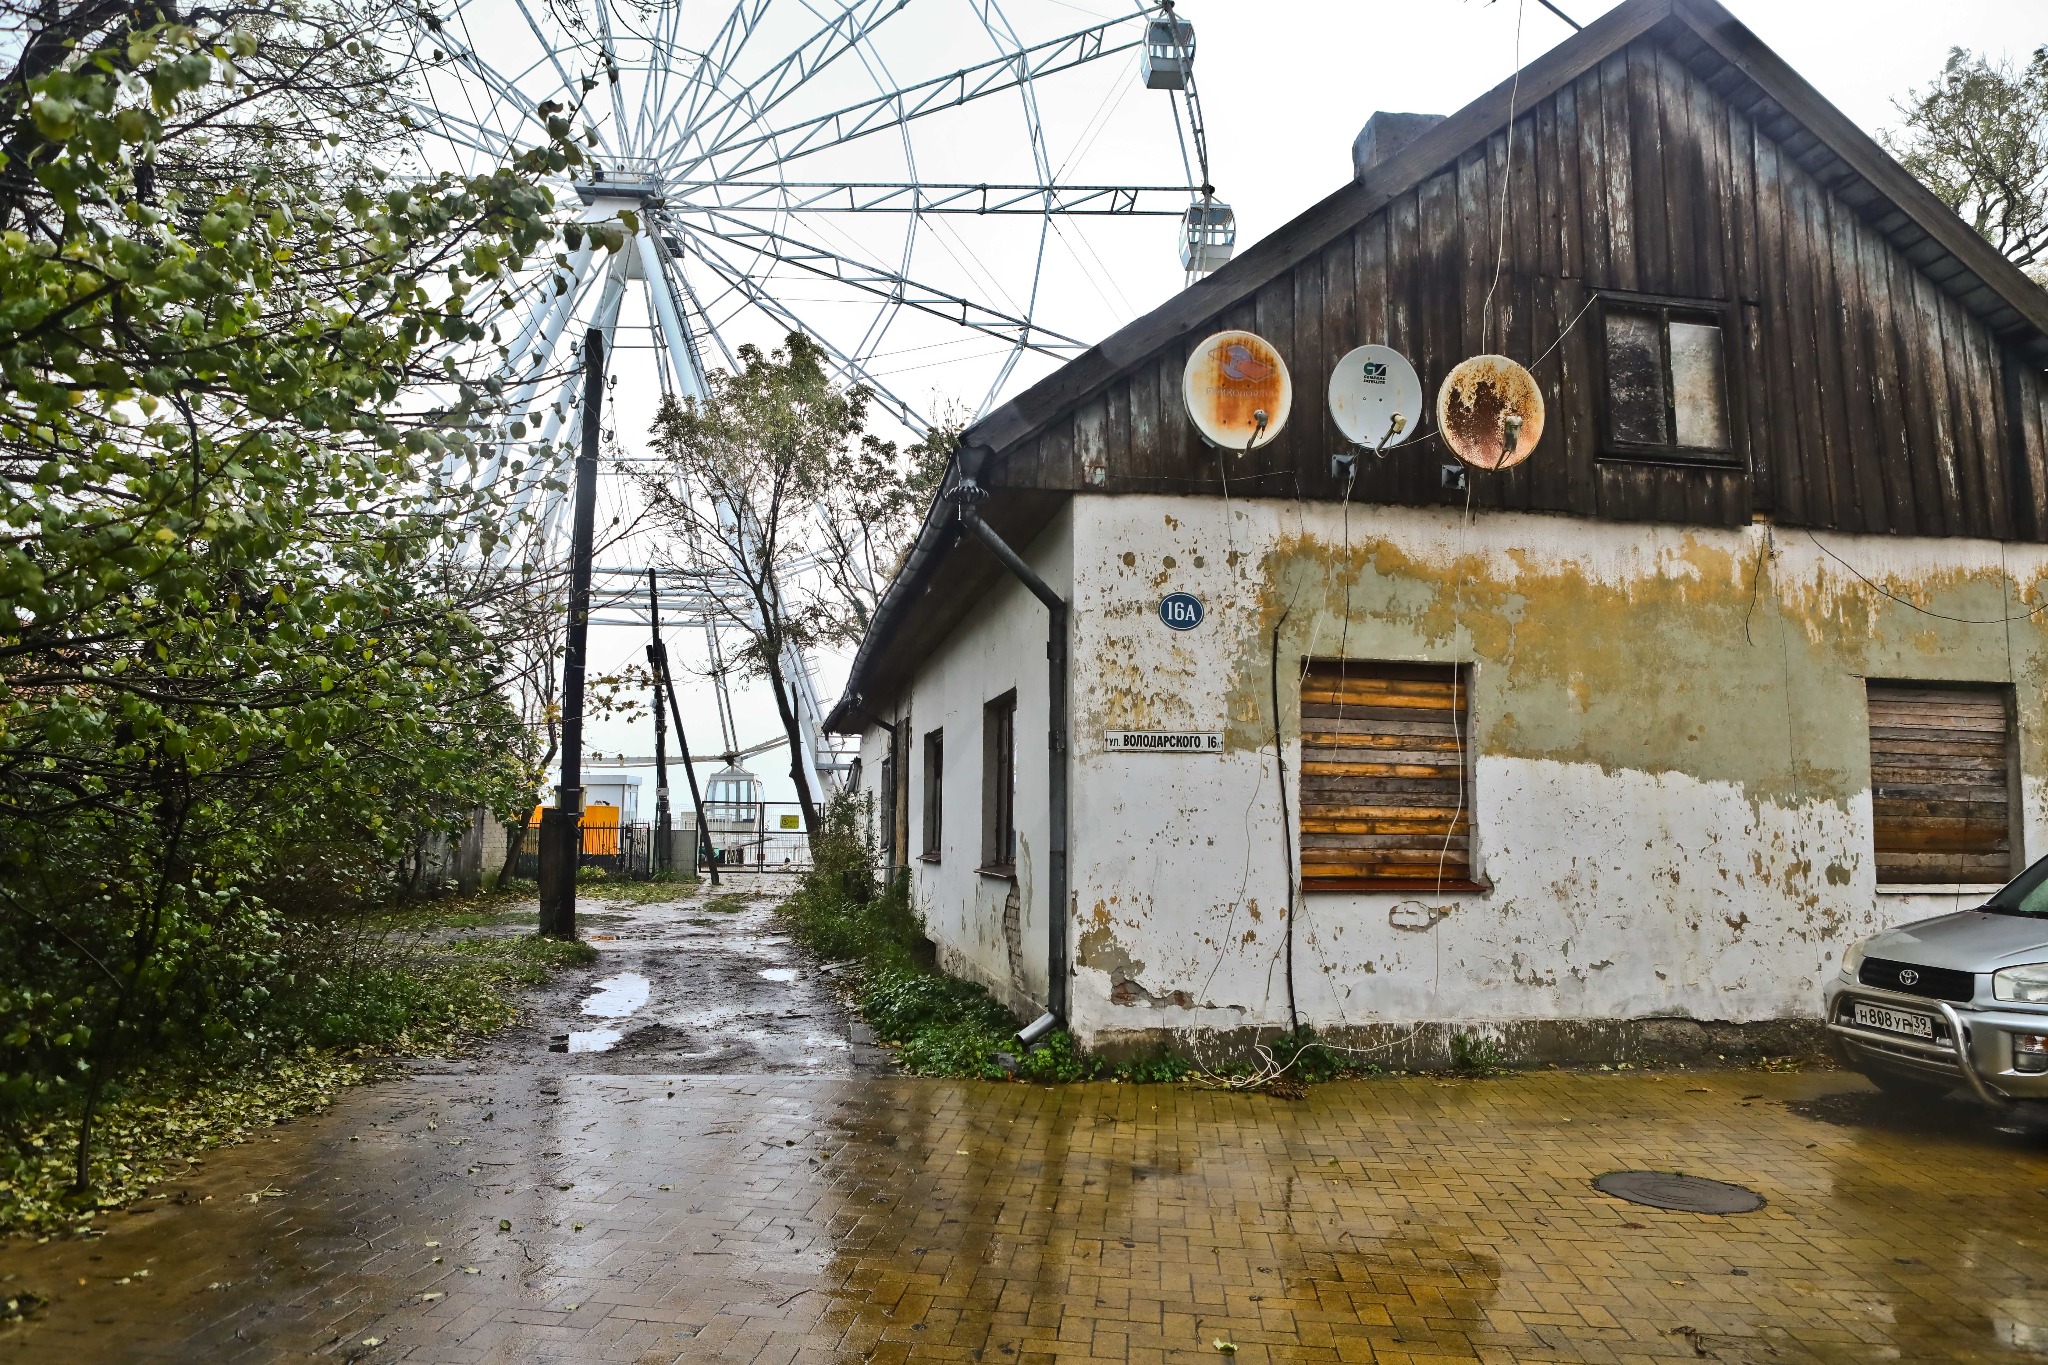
[{"x": 1862, "y": 397}]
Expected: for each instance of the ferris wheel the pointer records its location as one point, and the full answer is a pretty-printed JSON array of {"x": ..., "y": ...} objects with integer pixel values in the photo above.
[{"x": 911, "y": 183}]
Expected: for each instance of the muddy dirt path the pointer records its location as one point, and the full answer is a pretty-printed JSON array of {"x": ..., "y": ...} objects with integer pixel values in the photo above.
[{"x": 707, "y": 985}]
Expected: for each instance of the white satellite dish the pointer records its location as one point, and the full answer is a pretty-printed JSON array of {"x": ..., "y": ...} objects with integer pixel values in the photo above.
[{"x": 1375, "y": 397}]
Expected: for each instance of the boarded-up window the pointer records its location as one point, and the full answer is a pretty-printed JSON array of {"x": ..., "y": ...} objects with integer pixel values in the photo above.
[
  {"x": 1941, "y": 783},
  {"x": 1385, "y": 796},
  {"x": 1667, "y": 392}
]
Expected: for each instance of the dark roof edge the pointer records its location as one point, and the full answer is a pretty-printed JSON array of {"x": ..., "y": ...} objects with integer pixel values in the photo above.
[
  {"x": 1317, "y": 226},
  {"x": 926, "y": 550}
]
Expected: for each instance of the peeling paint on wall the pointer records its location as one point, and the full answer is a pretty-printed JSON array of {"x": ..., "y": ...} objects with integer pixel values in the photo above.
[
  {"x": 1670, "y": 777},
  {"x": 1671, "y": 769}
]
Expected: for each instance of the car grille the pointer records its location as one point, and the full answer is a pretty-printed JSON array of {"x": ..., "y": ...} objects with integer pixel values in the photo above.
[{"x": 1935, "y": 983}]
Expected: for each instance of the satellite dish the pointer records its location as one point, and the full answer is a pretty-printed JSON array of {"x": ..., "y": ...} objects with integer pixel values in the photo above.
[
  {"x": 1490, "y": 412},
  {"x": 1237, "y": 390},
  {"x": 1375, "y": 398}
]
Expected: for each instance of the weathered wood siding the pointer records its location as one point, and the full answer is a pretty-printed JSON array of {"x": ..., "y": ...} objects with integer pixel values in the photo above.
[{"x": 1862, "y": 396}]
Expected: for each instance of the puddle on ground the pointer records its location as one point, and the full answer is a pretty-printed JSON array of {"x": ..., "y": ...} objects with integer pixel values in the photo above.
[
  {"x": 617, "y": 997},
  {"x": 778, "y": 973},
  {"x": 586, "y": 1040}
]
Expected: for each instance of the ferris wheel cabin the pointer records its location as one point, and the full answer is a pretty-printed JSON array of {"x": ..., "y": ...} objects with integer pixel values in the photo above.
[
  {"x": 1208, "y": 237},
  {"x": 1169, "y": 54},
  {"x": 626, "y": 177},
  {"x": 733, "y": 813}
]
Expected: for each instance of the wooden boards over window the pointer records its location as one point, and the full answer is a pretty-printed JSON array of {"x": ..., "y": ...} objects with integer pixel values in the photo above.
[
  {"x": 1941, "y": 778},
  {"x": 1386, "y": 795}
]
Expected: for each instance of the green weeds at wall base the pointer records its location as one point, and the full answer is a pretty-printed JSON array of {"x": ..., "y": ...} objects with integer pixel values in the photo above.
[{"x": 941, "y": 1026}]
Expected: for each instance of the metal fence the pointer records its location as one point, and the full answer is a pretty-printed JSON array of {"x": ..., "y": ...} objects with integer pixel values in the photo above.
[
  {"x": 773, "y": 840},
  {"x": 778, "y": 842}
]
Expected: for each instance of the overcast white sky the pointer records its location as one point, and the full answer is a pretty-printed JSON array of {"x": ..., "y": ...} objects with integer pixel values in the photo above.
[{"x": 1286, "y": 84}]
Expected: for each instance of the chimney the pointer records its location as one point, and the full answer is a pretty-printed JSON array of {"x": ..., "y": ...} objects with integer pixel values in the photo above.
[{"x": 1385, "y": 134}]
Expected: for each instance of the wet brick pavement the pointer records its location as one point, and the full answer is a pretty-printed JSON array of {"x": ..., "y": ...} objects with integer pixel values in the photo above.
[{"x": 826, "y": 1213}]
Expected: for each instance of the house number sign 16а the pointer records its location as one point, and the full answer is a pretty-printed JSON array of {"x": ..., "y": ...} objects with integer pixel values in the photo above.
[{"x": 1181, "y": 610}]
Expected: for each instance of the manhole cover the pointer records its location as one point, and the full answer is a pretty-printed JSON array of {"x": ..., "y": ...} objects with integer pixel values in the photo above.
[{"x": 1685, "y": 1193}]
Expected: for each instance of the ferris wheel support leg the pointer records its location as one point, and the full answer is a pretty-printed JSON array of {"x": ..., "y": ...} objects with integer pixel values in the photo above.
[
  {"x": 550, "y": 318},
  {"x": 605, "y": 319},
  {"x": 682, "y": 356}
]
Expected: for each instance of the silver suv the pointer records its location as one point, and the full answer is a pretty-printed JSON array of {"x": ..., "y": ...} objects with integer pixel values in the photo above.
[{"x": 1906, "y": 996}]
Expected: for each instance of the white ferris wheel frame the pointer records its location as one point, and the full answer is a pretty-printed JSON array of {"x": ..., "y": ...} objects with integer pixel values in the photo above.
[{"x": 703, "y": 172}]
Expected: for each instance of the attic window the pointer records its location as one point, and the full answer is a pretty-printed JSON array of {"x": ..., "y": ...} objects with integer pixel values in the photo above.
[{"x": 1667, "y": 387}]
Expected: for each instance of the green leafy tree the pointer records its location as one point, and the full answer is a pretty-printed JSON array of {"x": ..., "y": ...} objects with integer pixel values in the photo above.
[
  {"x": 1978, "y": 137},
  {"x": 239, "y": 670},
  {"x": 877, "y": 496},
  {"x": 748, "y": 469}
]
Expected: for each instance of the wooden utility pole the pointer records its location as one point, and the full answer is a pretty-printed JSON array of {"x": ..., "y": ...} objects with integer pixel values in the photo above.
[
  {"x": 661, "y": 859},
  {"x": 705, "y": 853},
  {"x": 561, "y": 829}
]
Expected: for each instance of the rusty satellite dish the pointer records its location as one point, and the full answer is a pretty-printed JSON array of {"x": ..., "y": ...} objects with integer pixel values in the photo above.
[
  {"x": 1490, "y": 412},
  {"x": 1375, "y": 397},
  {"x": 1237, "y": 390}
]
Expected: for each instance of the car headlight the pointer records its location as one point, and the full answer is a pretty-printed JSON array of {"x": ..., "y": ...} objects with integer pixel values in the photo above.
[
  {"x": 2025, "y": 985},
  {"x": 1852, "y": 961}
]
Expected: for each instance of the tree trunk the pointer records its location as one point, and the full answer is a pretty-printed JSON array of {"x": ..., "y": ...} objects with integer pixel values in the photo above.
[
  {"x": 515, "y": 843},
  {"x": 81, "y": 1182},
  {"x": 785, "y": 708}
]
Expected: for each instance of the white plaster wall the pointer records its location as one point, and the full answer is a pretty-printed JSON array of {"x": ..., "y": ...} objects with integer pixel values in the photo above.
[
  {"x": 1617, "y": 892},
  {"x": 999, "y": 646}
]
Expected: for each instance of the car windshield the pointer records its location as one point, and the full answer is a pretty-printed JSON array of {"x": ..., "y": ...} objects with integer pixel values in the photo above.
[{"x": 2026, "y": 894}]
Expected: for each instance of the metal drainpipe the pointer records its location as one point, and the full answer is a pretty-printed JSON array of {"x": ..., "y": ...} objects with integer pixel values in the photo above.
[{"x": 968, "y": 496}]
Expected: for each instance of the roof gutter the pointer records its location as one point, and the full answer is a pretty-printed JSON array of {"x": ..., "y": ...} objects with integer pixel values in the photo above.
[{"x": 967, "y": 495}]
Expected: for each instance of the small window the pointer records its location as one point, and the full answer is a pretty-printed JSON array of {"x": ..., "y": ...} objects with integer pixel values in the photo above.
[
  {"x": 999, "y": 784},
  {"x": 1386, "y": 794},
  {"x": 1667, "y": 390},
  {"x": 934, "y": 768},
  {"x": 1941, "y": 783},
  {"x": 888, "y": 812}
]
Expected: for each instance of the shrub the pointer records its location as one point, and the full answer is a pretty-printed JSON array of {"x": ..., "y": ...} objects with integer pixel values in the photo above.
[
  {"x": 839, "y": 911},
  {"x": 942, "y": 1026}
]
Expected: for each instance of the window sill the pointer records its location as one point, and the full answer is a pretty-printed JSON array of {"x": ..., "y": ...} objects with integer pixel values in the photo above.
[
  {"x": 1683, "y": 457},
  {"x": 1002, "y": 872},
  {"x": 1983, "y": 890},
  {"x": 1352, "y": 886},
  {"x": 931, "y": 858}
]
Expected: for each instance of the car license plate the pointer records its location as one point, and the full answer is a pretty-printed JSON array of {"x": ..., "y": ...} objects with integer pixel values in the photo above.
[{"x": 1894, "y": 1021}]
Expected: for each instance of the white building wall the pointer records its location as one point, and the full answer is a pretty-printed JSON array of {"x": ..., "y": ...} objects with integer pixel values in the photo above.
[
  {"x": 988, "y": 928},
  {"x": 1671, "y": 788}
]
